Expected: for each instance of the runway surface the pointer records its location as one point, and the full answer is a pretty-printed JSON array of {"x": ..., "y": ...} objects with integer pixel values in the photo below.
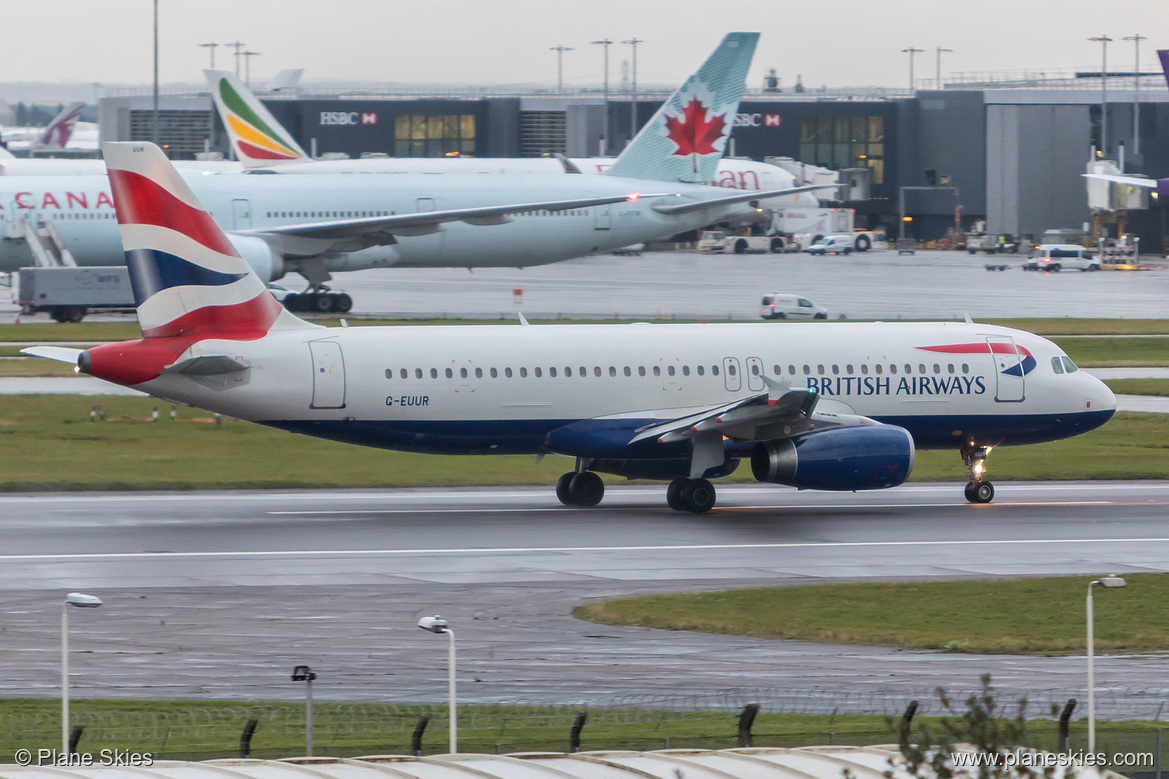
[
  {"x": 876, "y": 284},
  {"x": 214, "y": 594}
]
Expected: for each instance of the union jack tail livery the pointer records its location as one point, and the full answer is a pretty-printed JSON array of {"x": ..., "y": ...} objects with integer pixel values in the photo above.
[
  {"x": 686, "y": 138},
  {"x": 256, "y": 137},
  {"x": 189, "y": 281}
]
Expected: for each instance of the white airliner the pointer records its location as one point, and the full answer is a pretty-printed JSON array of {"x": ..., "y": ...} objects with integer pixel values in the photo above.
[
  {"x": 321, "y": 224},
  {"x": 261, "y": 143},
  {"x": 842, "y": 406}
]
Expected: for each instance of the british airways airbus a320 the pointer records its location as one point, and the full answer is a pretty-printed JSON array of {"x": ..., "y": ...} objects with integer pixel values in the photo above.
[{"x": 842, "y": 406}]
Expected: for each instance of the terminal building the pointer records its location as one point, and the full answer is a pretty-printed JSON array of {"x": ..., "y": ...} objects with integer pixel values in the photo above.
[{"x": 1010, "y": 153}]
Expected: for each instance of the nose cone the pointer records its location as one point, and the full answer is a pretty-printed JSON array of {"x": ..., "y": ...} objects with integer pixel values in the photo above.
[{"x": 1099, "y": 402}]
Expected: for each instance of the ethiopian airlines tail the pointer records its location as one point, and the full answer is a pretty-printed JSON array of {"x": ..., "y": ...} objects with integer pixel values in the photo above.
[
  {"x": 257, "y": 138},
  {"x": 57, "y": 134},
  {"x": 685, "y": 140}
]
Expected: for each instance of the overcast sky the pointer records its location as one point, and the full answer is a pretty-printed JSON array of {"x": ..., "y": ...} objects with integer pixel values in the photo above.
[{"x": 833, "y": 42}]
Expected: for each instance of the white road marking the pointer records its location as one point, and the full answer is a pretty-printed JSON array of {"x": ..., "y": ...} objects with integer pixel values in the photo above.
[{"x": 565, "y": 549}]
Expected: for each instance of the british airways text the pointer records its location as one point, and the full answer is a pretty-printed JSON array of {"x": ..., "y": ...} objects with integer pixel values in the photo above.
[{"x": 865, "y": 386}]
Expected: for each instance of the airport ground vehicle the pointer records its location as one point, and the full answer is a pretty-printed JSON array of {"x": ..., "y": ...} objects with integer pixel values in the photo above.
[
  {"x": 807, "y": 226},
  {"x": 1055, "y": 257},
  {"x": 833, "y": 244},
  {"x": 778, "y": 305},
  {"x": 68, "y": 294},
  {"x": 718, "y": 241}
]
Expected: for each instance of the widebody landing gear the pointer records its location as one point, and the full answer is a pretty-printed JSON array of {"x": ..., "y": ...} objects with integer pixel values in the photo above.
[
  {"x": 322, "y": 302},
  {"x": 978, "y": 489},
  {"x": 580, "y": 489},
  {"x": 694, "y": 495}
]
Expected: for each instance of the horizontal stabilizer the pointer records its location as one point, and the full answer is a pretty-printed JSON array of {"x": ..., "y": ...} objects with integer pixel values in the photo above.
[
  {"x": 1132, "y": 181},
  {"x": 741, "y": 197},
  {"x": 58, "y": 353},
  {"x": 208, "y": 365}
]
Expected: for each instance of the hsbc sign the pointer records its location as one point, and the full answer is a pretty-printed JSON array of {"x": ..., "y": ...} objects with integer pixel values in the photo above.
[
  {"x": 344, "y": 118},
  {"x": 758, "y": 120}
]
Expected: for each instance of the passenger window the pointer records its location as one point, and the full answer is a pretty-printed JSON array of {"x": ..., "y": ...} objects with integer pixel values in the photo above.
[
  {"x": 463, "y": 373},
  {"x": 1069, "y": 366},
  {"x": 657, "y": 370},
  {"x": 848, "y": 369},
  {"x": 776, "y": 370},
  {"x": 568, "y": 372},
  {"x": 418, "y": 373},
  {"x": 641, "y": 370},
  {"x": 807, "y": 370},
  {"x": 701, "y": 369},
  {"x": 597, "y": 370},
  {"x": 950, "y": 367},
  {"x": 434, "y": 373},
  {"x": 878, "y": 368},
  {"x": 507, "y": 372},
  {"x": 820, "y": 369},
  {"x": 791, "y": 369},
  {"x": 523, "y": 373},
  {"x": 731, "y": 370},
  {"x": 714, "y": 370},
  {"x": 1056, "y": 365},
  {"x": 921, "y": 367},
  {"x": 892, "y": 367},
  {"x": 937, "y": 368},
  {"x": 404, "y": 373},
  {"x": 389, "y": 373},
  {"x": 965, "y": 368},
  {"x": 478, "y": 373},
  {"x": 583, "y": 372},
  {"x": 628, "y": 371},
  {"x": 539, "y": 372},
  {"x": 449, "y": 374},
  {"x": 612, "y": 371},
  {"x": 670, "y": 370},
  {"x": 685, "y": 370},
  {"x": 494, "y": 374},
  {"x": 552, "y": 372}
]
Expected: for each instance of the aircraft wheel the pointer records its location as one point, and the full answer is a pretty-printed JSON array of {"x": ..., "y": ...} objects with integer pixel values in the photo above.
[
  {"x": 292, "y": 301},
  {"x": 983, "y": 492},
  {"x": 674, "y": 494},
  {"x": 586, "y": 489},
  {"x": 344, "y": 303},
  {"x": 969, "y": 491},
  {"x": 562, "y": 490},
  {"x": 698, "y": 496},
  {"x": 323, "y": 302}
]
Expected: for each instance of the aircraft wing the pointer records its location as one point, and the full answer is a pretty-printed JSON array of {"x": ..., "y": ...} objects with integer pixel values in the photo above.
[
  {"x": 1132, "y": 181},
  {"x": 344, "y": 235},
  {"x": 741, "y": 197},
  {"x": 781, "y": 412}
]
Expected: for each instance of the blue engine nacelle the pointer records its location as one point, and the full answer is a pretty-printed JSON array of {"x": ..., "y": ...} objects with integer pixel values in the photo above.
[{"x": 844, "y": 458}]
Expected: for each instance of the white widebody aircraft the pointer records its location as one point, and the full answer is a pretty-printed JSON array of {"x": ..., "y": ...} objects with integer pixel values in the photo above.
[
  {"x": 322, "y": 224},
  {"x": 834, "y": 407},
  {"x": 261, "y": 143}
]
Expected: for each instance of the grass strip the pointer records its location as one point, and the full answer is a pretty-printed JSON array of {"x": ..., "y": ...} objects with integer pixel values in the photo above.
[
  {"x": 952, "y": 616},
  {"x": 1154, "y": 387},
  {"x": 206, "y": 729},
  {"x": 60, "y": 449}
]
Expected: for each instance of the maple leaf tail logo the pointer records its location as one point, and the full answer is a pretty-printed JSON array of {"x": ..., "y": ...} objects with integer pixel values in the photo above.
[{"x": 695, "y": 131}]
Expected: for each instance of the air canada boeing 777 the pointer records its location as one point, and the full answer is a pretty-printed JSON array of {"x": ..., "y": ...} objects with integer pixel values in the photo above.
[
  {"x": 842, "y": 406},
  {"x": 317, "y": 225}
]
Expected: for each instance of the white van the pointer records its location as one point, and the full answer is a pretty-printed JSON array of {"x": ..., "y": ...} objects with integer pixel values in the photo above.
[
  {"x": 1055, "y": 257},
  {"x": 780, "y": 306}
]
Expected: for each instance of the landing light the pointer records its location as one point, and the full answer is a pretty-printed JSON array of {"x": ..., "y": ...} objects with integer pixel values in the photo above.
[{"x": 634, "y": 196}]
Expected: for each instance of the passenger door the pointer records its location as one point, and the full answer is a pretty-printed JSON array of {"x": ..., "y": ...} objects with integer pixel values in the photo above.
[
  {"x": 1008, "y": 365},
  {"x": 603, "y": 218},
  {"x": 755, "y": 374},
  {"x": 241, "y": 214},
  {"x": 732, "y": 378},
  {"x": 328, "y": 374}
]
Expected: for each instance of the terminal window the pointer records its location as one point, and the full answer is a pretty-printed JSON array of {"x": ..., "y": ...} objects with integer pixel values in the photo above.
[
  {"x": 844, "y": 142},
  {"x": 418, "y": 135}
]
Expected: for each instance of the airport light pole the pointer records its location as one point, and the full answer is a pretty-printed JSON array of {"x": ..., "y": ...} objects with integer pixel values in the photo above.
[
  {"x": 154, "y": 112},
  {"x": 605, "y": 136},
  {"x": 239, "y": 47},
  {"x": 302, "y": 673},
  {"x": 633, "y": 100},
  {"x": 1136, "y": 93},
  {"x": 911, "y": 51},
  {"x": 560, "y": 66},
  {"x": 247, "y": 55},
  {"x": 1103, "y": 40},
  {"x": 212, "y": 47},
  {"x": 81, "y": 601},
  {"x": 939, "y": 64},
  {"x": 437, "y": 624},
  {"x": 1110, "y": 581}
]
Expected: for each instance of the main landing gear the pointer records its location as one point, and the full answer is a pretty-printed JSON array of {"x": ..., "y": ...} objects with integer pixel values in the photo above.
[
  {"x": 583, "y": 488},
  {"x": 693, "y": 495},
  {"x": 978, "y": 490}
]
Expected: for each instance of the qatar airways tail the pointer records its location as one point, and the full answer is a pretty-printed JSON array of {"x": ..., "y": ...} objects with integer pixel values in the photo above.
[{"x": 843, "y": 406}]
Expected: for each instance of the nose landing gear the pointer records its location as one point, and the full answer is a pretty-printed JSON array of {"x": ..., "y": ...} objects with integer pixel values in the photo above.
[
  {"x": 978, "y": 490},
  {"x": 583, "y": 488}
]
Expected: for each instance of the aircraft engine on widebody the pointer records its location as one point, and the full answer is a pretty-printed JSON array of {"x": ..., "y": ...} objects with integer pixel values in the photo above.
[
  {"x": 844, "y": 458},
  {"x": 266, "y": 262}
]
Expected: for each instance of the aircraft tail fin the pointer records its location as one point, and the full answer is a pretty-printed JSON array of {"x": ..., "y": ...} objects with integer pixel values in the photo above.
[
  {"x": 686, "y": 138},
  {"x": 258, "y": 139},
  {"x": 286, "y": 80},
  {"x": 187, "y": 277},
  {"x": 57, "y": 134}
]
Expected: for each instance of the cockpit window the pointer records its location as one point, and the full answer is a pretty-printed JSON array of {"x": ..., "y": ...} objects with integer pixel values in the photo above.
[
  {"x": 1068, "y": 365},
  {"x": 1056, "y": 365}
]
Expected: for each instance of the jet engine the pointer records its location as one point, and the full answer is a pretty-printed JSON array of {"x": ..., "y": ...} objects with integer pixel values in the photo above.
[
  {"x": 267, "y": 263},
  {"x": 844, "y": 458}
]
